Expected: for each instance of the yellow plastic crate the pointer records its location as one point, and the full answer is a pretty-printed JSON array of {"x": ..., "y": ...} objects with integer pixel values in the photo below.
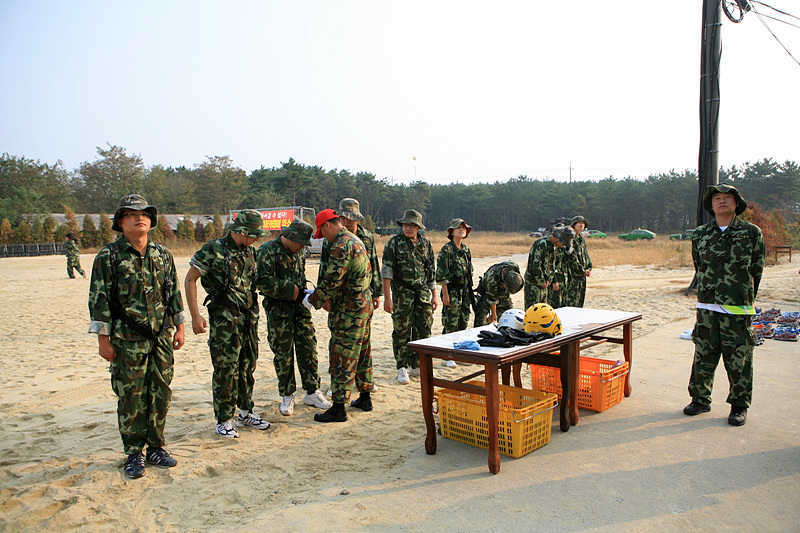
[
  {"x": 525, "y": 418},
  {"x": 599, "y": 385}
]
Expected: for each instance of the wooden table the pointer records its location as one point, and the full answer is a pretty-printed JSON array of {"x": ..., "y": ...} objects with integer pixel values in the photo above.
[
  {"x": 563, "y": 351},
  {"x": 782, "y": 249}
]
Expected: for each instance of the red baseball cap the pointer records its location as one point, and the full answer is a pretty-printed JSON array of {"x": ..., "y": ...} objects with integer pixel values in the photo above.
[{"x": 322, "y": 217}]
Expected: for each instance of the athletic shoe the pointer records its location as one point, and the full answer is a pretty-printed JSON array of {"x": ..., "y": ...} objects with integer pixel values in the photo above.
[
  {"x": 226, "y": 429},
  {"x": 786, "y": 334},
  {"x": 414, "y": 372},
  {"x": 450, "y": 364},
  {"x": 695, "y": 408},
  {"x": 287, "y": 405},
  {"x": 316, "y": 399},
  {"x": 249, "y": 418},
  {"x": 160, "y": 457},
  {"x": 134, "y": 466},
  {"x": 402, "y": 376}
]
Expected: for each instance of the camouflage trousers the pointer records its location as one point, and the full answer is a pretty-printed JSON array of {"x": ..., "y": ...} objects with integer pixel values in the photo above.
[
  {"x": 140, "y": 377},
  {"x": 534, "y": 295},
  {"x": 482, "y": 310},
  {"x": 455, "y": 317},
  {"x": 290, "y": 333},
  {"x": 233, "y": 343},
  {"x": 350, "y": 352},
  {"x": 732, "y": 337},
  {"x": 412, "y": 319},
  {"x": 74, "y": 263},
  {"x": 574, "y": 293}
]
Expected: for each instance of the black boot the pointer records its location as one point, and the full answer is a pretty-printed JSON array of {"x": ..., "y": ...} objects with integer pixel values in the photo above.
[
  {"x": 363, "y": 402},
  {"x": 334, "y": 414},
  {"x": 738, "y": 416}
]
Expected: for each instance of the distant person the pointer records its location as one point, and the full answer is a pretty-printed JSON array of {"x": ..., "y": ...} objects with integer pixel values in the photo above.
[
  {"x": 135, "y": 305},
  {"x": 227, "y": 270},
  {"x": 543, "y": 263},
  {"x": 495, "y": 288},
  {"x": 728, "y": 255},
  {"x": 577, "y": 266},
  {"x": 454, "y": 275},
  {"x": 73, "y": 256},
  {"x": 409, "y": 289}
]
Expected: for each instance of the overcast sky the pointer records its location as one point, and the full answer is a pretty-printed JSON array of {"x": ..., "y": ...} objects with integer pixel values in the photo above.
[{"x": 433, "y": 91}]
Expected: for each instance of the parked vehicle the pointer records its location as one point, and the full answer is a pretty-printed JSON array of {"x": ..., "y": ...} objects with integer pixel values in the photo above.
[
  {"x": 595, "y": 234},
  {"x": 685, "y": 236},
  {"x": 638, "y": 234},
  {"x": 536, "y": 234}
]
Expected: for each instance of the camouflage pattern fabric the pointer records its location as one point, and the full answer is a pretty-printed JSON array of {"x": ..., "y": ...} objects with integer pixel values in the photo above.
[
  {"x": 345, "y": 283},
  {"x": 540, "y": 270},
  {"x": 290, "y": 330},
  {"x": 368, "y": 239},
  {"x": 575, "y": 265},
  {"x": 73, "y": 258},
  {"x": 554, "y": 297},
  {"x": 412, "y": 270},
  {"x": 728, "y": 266},
  {"x": 493, "y": 290},
  {"x": 454, "y": 267}
]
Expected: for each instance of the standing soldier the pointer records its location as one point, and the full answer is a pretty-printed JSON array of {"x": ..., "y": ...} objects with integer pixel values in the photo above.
[
  {"x": 73, "y": 257},
  {"x": 454, "y": 274},
  {"x": 346, "y": 285},
  {"x": 134, "y": 303},
  {"x": 728, "y": 256},
  {"x": 409, "y": 290},
  {"x": 494, "y": 291},
  {"x": 543, "y": 263},
  {"x": 227, "y": 270},
  {"x": 350, "y": 216},
  {"x": 577, "y": 265},
  {"x": 290, "y": 331}
]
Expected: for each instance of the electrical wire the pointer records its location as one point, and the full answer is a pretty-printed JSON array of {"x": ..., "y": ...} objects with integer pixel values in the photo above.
[
  {"x": 774, "y": 9},
  {"x": 761, "y": 18}
]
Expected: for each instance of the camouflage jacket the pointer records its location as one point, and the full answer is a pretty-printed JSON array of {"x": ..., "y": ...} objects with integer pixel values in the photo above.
[
  {"x": 578, "y": 262},
  {"x": 279, "y": 271},
  {"x": 368, "y": 239},
  {"x": 410, "y": 266},
  {"x": 71, "y": 249},
  {"x": 492, "y": 286},
  {"x": 346, "y": 280},
  {"x": 229, "y": 281},
  {"x": 728, "y": 264},
  {"x": 139, "y": 290},
  {"x": 454, "y": 266},
  {"x": 542, "y": 263}
]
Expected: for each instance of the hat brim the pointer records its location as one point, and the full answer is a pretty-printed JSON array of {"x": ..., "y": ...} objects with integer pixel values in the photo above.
[
  {"x": 151, "y": 209},
  {"x": 741, "y": 204},
  {"x": 249, "y": 232},
  {"x": 409, "y": 221},
  {"x": 286, "y": 233}
]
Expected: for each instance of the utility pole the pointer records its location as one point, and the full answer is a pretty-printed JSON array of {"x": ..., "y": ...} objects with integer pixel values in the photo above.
[{"x": 570, "y": 171}]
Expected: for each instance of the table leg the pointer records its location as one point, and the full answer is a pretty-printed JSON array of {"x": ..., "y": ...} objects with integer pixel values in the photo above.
[
  {"x": 493, "y": 416},
  {"x": 505, "y": 373},
  {"x": 574, "y": 354},
  {"x": 627, "y": 350},
  {"x": 517, "y": 374},
  {"x": 426, "y": 376},
  {"x": 565, "y": 386}
]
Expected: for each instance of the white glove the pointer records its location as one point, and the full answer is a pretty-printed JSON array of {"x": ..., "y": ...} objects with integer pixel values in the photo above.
[{"x": 306, "y": 303}]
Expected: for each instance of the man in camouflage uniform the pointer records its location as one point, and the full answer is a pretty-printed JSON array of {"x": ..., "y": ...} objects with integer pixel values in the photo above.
[
  {"x": 135, "y": 305},
  {"x": 349, "y": 214},
  {"x": 728, "y": 256},
  {"x": 409, "y": 289},
  {"x": 227, "y": 270},
  {"x": 454, "y": 275},
  {"x": 577, "y": 267},
  {"x": 494, "y": 291},
  {"x": 543, "y": 263},
  {"x": 290, "y": 331},
  {"x": 73, "y": 257}
]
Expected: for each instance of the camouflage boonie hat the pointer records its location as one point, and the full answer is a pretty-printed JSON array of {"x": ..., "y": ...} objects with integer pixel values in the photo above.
[
  {"x": 579, "y": 218},
  {"x": 455, "y": 224},
  {"x": 134, "y": 202},
  {"x": 349, "y": 209},
  {"x": 513, "y": 281},
  {"x": 298, "y": 231},
  {"x": 741, "y": 205},
  {"x": 565, "y": 234},
  {"x": 411, "y": 216},
  {"x": 249, "y": 223}
]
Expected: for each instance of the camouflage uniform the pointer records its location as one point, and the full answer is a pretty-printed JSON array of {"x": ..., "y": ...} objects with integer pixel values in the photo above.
[
  {"x": 540, "y": 270},
  {"x": 140, "y": 330},
  {"x": 555, "y": 297},
  {"x": 575, "y": 266},
  {"x": 412, "y": 270},
  {"x": 290, "y": 330},
  {"x": 345, "y": 282},
  {"x": 454, "y": 268},
  {"x": 73, "y": 258},
  {"x": 228, "y": 274},
  {"x": 728, "y": 266},
  {"x": 494, "y": 289}
]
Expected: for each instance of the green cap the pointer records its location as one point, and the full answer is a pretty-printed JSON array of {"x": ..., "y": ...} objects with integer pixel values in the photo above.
[
  {"x": 513, "y": 281},
  {"x": 579, "y": 218},
  {"x": 249, "y": 223},
  {"x": 349, "y": 209},
  {"x": 298, "y": 231},
  {"x": 134, "y": 202},
  {"x": 565, "y": 234},
  {"x": 455, "y": 224},
  {"x": 411, "y": 216},
  {"x": 711, "y": 190}
]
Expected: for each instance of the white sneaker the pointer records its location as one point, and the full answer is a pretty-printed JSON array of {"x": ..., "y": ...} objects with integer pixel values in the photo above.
[
  {"x": 414, "y": 373},
  {"x": 329, "y": 393},
  {"x": 226, "y": 429},
  {"x": 287, "y": 405},
  {"x": 316, "y": 399},
  {"x": 450, "y": 364},
  {"x": 249, "y": 418},
  {"x": 402, "y": 376}
]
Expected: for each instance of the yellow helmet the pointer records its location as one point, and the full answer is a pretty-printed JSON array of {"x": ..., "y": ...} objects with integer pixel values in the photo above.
[{"x": 542, "y": 317}]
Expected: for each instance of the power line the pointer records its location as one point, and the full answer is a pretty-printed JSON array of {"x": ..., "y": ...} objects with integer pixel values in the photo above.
[{"x": 761, "y": 18}]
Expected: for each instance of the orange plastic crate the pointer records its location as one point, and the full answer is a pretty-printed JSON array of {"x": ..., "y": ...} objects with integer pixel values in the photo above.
[
  {"x": 525, "y": 418},
  {"x": 599, "y": 386}
]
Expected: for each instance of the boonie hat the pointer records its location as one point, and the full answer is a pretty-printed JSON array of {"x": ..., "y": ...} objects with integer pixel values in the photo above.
[
  {"x": 322, "y": 217},
  {"x": 249, "y": 223},
  {"x": 513, "y": 281},
  {"x": 349, "y": 209},
  {"x": 455, "y": 224},
  {"x": 579, "y": 218},
  {"x": 134, "y": 202},
  {"x": 741, "y": 205},
  {"x": 565, "y": 234},
  {"x": 411, "y": 216},
  {"x": 298, "y": 231}
]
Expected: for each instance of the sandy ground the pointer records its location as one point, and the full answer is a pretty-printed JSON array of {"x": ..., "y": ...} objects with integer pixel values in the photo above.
[{"x": 639, "y": 466}]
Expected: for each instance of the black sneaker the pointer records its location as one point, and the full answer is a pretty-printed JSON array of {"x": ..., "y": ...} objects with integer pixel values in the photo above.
[
  {"x": 134, "y": 466},
  {"x": 160, "y": 457},
  {"x": 695, "y": 408},
  {"x": 362, "y": 402},
  {"x": 738, "y": 416},
  {"x": 331, "y": 416}
]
